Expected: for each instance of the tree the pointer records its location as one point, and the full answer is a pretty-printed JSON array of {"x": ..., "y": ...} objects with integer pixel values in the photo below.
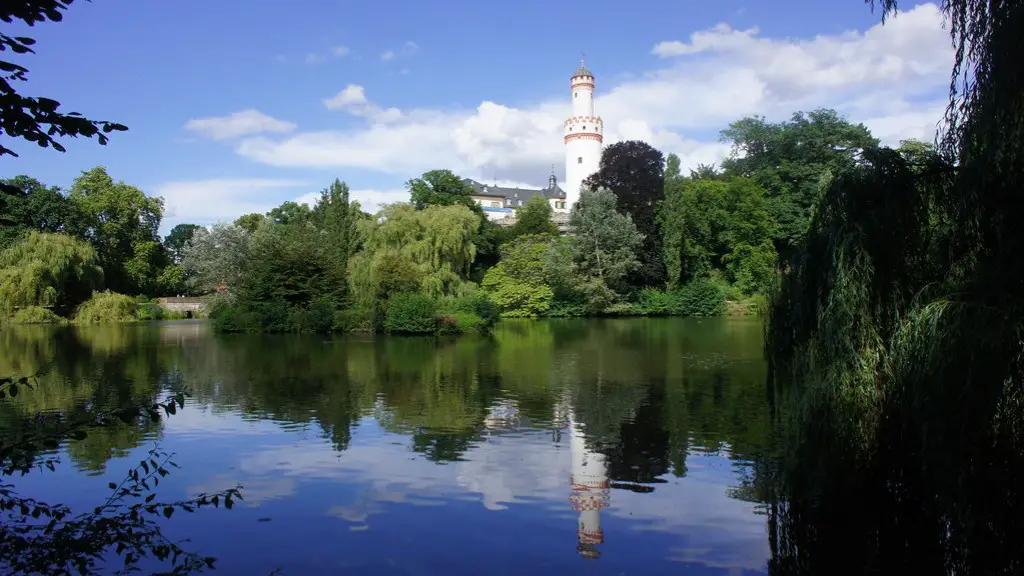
[
  {"x": 121, "y": 222},
  {"x": 605, "y": 241},
  {"x": 792, "y": 161},
  {"x": 291, "y": 213},
  {"x": 38, "y": 120},
  {"x": 49, "y": 270},
  {"x": 441, "y": 188},
  {"x": 437, "y": 241},
  {"x": 518, "y": 284},
  {"x": 175, "y": 242},
  {"x": 216, "y": 255},
  {"x": 338, "y": 220},
  {"x": 635, "y": 173},
  {"x": 534, "y": 217},
  {"x": 249, "y": 222},
  {"x": 27, "y": 204}
]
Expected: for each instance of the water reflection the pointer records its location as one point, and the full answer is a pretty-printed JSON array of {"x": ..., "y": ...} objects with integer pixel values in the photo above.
[{"x": 638, "y": 436}]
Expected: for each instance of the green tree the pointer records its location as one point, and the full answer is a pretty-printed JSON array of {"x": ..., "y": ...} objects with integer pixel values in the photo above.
[
  {"x": 441, "y": 188},
  {"x": 519, "y": 284},
  {"x": 789, "y": 160},
  {"x": 635, "y": 173},
  {"x": 38, "y": 119},
  {"x": 249, "y": 222},
  {"x": 216, "y": 255},
  {"x": 175, "y": 242},
  {"x": 50, "y": 270},
  {"x": 338, "y": 219},
  {"x": 438, "y": 241},
  {"x": 604, "y": 242},
  {"x": 534, "y": 217},
  {"x": 121, "y": 222},
  {"x": 291, "y": 213},
  {"x": 27, "y": 204}
]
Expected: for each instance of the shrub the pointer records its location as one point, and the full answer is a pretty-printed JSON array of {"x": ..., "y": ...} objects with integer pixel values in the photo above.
[
  {"x": 107, "y": 307},
  {"x": 36, "y": 315},
  {"x": 622, "y": 309},
  {"x": 410, "y": 314},
  {"x": 567, "y": 309},
  {"x": 150, "y": 311},
  {"x": 658, "y": 303},
  {"x": 317, "y": 317},
  {"x": 358, "y": 319},
  {"x": 701, "y": 297}
]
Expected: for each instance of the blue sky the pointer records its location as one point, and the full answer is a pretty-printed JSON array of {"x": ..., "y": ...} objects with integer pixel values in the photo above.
[{"x": 478, "y": 88}]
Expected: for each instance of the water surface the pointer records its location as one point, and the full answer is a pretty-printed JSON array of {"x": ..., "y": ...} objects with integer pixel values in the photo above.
[{"x": 620, "y": 446}]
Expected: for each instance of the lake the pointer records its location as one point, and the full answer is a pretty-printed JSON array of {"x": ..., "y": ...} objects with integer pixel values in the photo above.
[{"x": 619, "y": 446}]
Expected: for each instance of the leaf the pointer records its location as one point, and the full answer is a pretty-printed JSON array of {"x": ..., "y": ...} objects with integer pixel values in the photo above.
[
  {"x": 168, "y": 511},
  {"x": 228, "y": 503},
  {"x": 112, "y": 486},
  {"x": 13, "y": 390},
  {"x": 150, "y": 498}
]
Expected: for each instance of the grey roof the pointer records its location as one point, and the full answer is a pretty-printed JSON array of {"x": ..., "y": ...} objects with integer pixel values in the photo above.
[
  {"x": 582, "y": 70},
  {"x": 514, "y": 195}
]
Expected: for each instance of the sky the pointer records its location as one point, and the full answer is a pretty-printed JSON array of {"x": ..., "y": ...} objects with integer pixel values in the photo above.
[{"x": 234, "y": 107}]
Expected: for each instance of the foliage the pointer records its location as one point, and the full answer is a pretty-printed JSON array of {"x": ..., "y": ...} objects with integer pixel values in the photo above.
[
  {"x": 27, "y": 205},
  {"x": 107, "y": 307},
  {"x": 337, "y": 218},
  {"x": 47, "y": 270},
  {"x": 121, "y": 222},
  {"x": 605, "y": 243},
  {"x": 38, "y": 119},
  {"x": 175, "y": 242},
  {"x": 36, "y": 315},
  {"x": 534, "y": 217},
  {"x": 410, "y": 313},
  {"x": 658, "y": 303},
  {"x": 895, "y": 339},
  {"x": 788, "y": 160},
  {"x": 634, "y": 172},
  {"x": 216, "y": 255},
  {"x": 249, "y": 222},
  {"x": 518, "y": 284},
  {"x": 41, "y": 538},
  {"x": 441, "y": 188},
  {"x": 722, "y": 223},
  {"x": 701, "y": 297}
]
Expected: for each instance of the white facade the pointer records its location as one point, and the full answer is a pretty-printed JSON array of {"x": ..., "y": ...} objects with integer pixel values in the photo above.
[
  {"x": 584, "y": 135},
  {"x": 590, "y": 491}
]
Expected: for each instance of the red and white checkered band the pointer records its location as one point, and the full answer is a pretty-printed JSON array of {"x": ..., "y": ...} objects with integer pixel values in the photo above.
[
  {"x": 589, "y": 484},
  {"x": 590, "y": 536},
  {"x": 580, "y": 504}
]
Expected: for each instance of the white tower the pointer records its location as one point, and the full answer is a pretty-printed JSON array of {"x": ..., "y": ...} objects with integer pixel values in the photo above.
[
  {"x": 590, "y": 491},
  {"x": 584, "y": 133}
]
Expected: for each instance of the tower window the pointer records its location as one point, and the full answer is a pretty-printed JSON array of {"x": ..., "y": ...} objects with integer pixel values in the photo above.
[
  {"x": 579, "y": 160},
  {"x": 574, "y": 94},
  {"x": 584, "y": 127}
]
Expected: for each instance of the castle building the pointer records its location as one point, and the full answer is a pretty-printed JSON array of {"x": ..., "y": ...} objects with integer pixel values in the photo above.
[{"x": 583, "y": 138}]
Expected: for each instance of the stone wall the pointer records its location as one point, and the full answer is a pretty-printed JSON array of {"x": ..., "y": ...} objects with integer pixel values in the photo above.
[{"x": 195, "y": 306}]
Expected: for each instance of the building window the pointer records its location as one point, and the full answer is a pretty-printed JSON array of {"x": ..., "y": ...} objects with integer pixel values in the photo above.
[
  {"x": 579, "y": 160},
  {"x": 584, "y": 127},
  {"x": 574, "y": 94},
  {"x": 495, "y": 204}
]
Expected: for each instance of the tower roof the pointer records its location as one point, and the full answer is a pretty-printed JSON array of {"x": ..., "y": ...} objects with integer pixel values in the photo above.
[{"x": 582, "y": 70}]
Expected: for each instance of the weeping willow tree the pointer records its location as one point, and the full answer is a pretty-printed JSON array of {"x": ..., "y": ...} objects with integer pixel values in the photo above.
[
  {"x": 895, "y": 340},
  {"x": 48, "y": 270},
  {"x": 428, "y": 250}
]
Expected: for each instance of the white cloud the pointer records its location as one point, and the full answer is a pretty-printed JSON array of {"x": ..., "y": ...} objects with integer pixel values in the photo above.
[
  {"x": 387, "y": 55},
  {"x": 341, "y": 51},
  {"x": 408, "y": 49},
  {"x": 222, "y": 199},
  {"x": 314, "y": 58},
  {"x": 370, "y": 200},
  {"x": 353, "y": 100},
  {"x": 237, "y": 124},
  {"x": 891, "y": 77}
]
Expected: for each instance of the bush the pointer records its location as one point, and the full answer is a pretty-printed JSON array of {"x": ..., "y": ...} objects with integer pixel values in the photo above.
[
  {"x": 107, "y": 307},
  {"x": 658, "y": 303},
  {"x": 354, "y": 320},
  {"x": 701, "y": 297},
  {"x": 410, "y": 314},
  {"x": 149, "y": 311},
  {"x": 622, "y": 309},
  {"x": 317, "y": 317},
  {"x": 567, "y": 309},
  {"x": 36, "y": 315}
]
